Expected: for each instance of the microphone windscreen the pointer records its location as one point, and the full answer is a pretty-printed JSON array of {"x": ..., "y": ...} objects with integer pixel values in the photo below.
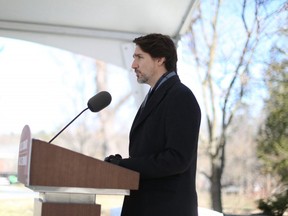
[{"x": 99, "y": 101}]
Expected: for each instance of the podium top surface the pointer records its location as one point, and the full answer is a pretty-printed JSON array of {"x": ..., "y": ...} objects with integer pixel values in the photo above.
[{"x": 75, "y": 190}]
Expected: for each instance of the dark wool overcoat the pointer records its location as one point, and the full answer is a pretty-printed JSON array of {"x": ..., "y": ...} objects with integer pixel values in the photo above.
[{"x": 163, "y": 149}]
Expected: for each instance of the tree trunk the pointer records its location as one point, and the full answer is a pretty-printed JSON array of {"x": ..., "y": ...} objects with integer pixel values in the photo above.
[
  {"x": 101, "y": 85},
  {"x": 215, "y": 189}
]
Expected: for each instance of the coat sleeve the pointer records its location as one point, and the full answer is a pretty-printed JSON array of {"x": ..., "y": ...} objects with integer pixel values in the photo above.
[{"x": 181, "y": 129}]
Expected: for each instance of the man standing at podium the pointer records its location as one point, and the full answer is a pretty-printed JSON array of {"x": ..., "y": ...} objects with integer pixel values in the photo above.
[{"x": 164, "y": 135}]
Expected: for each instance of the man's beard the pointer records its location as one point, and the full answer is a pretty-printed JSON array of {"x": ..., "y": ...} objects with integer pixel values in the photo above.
[{"x": 141, "y": 79}]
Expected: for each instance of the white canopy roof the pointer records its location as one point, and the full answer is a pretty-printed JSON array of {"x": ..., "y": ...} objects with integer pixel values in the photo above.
[{"x": 101, "y": 29}]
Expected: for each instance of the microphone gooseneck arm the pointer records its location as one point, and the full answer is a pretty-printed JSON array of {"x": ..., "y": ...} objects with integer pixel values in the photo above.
[
  {"x": 68, "y": 125},
  {"x": 95, "y": 104}
]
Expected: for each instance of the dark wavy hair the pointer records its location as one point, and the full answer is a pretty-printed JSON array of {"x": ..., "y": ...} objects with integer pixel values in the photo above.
[{"x": 158, "y": 45}]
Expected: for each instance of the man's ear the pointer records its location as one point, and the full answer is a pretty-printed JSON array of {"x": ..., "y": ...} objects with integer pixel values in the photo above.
[{"x": 161, "y": 60}]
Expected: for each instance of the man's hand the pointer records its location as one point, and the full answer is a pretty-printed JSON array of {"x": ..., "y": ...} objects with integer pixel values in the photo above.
[{"x": 114, "y": 159}]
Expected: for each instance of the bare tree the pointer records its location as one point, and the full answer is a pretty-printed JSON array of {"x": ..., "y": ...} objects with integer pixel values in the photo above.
[
  {"x": 224, "y": 49},
  {"x": 77, "y": 135},
  {"x": 82, "y": 135},
  {"x": 107, "y": 116}
]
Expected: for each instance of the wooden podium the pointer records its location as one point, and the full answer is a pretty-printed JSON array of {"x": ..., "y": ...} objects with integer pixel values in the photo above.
[{"x": 67, "y": 181}]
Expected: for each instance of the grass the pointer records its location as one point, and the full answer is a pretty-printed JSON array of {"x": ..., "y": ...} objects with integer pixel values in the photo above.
[
  {"x": 232, "y": 204},
  {"x": 16, "y": 207}
]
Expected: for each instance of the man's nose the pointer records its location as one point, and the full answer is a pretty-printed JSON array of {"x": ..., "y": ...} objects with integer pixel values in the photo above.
[{"x": 134, "y": 65}]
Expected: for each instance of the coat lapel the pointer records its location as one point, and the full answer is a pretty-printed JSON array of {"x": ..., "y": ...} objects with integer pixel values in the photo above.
[{"x": 153, "y": 102}]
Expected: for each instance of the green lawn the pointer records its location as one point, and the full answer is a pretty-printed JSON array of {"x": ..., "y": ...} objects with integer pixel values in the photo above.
[
  {"x": 22, "y": 206},
  {"x": 16, "y": 207}
]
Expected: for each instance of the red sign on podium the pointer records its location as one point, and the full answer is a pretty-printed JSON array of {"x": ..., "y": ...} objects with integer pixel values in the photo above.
[{"x": 24, "y": 155}]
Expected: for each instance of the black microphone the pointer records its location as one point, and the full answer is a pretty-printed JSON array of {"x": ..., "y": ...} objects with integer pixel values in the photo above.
[
  {"x": 95, "y": 104},
  {"x": 99, "y": 101}
]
